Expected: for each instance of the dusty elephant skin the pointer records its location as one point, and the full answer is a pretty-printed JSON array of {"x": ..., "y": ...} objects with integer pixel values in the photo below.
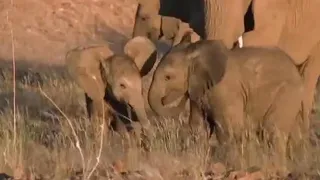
[
  {"x": 259, "y": 87},
  {"x": 224, "y": 20},
  {"x": 292, "y": 26},
  {"x": 112, "y": 83}
]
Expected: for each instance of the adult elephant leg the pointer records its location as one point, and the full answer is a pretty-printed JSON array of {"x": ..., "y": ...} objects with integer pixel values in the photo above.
[
  {"x": 224, "y": 20},
  {"x": 267, "y": 26},
  {"x": 311, "y": 72}
]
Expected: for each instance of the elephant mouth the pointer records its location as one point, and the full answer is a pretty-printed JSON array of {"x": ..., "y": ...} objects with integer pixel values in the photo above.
[
  {"x": 173, "y": 103},
  {"x": 173, "y": 99}
]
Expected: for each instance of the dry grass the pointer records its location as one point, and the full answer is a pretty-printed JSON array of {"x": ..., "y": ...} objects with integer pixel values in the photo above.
[
  {"x": 53, "y": 145},
  {"x": 46, "y": 145}
]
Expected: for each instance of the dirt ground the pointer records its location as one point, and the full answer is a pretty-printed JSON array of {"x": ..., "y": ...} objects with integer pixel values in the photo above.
[
  {"x": 43, "y": 30},
  {"x": 52, "y": 139}
]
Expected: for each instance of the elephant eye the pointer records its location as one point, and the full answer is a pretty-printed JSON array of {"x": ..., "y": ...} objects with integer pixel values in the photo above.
[
  {"x": 167, "y": 77},
  {"x": 122, "y": 86}
]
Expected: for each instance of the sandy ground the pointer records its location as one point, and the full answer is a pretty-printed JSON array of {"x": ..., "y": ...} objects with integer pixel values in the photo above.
[{"x": 43, "y": 30}]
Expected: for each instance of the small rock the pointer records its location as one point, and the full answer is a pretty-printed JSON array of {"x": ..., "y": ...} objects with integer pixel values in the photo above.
[
  {"x": 253, "y": 173},
  {"x": 294, "y": 176},
  {"x": 217, "y": 168},
  {"x": 118, "y": 166},
  {"x": 151, "y": 172},
  {"x": 257, "y": 175},
  {"x": 236, "y": 175},
  {"x": 253, "y": 169}
]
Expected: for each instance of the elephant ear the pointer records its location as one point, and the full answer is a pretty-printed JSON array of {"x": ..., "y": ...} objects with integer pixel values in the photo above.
[
  {"x": 83, "y": 64},
  {"x": 143, "y": 52},
  {"x": 185, "y": 30},
  {"x": 208, "y": 64}
]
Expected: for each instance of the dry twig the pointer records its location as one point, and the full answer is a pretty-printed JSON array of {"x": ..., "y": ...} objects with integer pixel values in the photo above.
[
  {"x": 13, "y": 79},
  {"x": 71, "y": 126}
]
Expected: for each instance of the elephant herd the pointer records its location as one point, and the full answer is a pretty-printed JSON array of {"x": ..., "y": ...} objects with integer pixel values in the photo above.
[
  {"x": 290, "y": 25},
  {"x": 268, "y": 84}
]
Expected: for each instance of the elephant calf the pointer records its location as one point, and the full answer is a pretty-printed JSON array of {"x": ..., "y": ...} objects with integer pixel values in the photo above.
[
  {"x": 112, "y": 82},
  {"x": 230, "y": 88}
]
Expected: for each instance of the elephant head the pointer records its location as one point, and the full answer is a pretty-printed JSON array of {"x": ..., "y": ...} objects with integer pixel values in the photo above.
[
  {"x": 188, "y": 70},
  {"x": 99, "y": 71},
  {"x": 147, "y": 20}
]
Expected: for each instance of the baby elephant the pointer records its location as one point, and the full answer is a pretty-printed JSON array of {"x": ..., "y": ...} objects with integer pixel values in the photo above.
[
  {"x": 232, "y": 89},
  {"x": 112, "y": 82}
]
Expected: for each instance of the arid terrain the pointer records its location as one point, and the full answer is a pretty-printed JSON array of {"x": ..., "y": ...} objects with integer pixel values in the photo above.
[{"x": 47, "y": 134}]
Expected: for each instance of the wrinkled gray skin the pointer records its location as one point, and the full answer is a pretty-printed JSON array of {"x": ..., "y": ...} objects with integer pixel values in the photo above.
[
  {"x": 231, "y": 89},
  {"x": 113, "y": 80}
]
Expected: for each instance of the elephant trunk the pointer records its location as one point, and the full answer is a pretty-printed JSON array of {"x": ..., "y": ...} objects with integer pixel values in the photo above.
[
  {"x": 156, "y": 98},
  {"x": 137, "y": 103},
  {"x": 137, "y": 27}
]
